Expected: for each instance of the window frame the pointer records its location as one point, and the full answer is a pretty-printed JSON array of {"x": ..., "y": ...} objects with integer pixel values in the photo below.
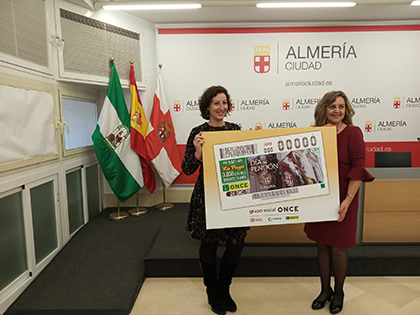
[{"x": 78, "y": 95}]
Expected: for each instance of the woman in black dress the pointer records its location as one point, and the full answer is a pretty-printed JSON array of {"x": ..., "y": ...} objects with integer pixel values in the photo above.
[{"x": 214, "y": 106}]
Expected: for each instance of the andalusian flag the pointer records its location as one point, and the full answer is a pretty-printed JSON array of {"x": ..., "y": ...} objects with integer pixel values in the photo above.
[
  {"x": 138, "y": 134},
  {"x": 111, "y": 140}
]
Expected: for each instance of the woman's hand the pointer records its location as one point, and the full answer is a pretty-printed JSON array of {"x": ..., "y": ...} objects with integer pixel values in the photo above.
[
  {"x": 343, "y": 209},
  {"x": 198, "y": 143},
  {"x": 351, "y": 192}
]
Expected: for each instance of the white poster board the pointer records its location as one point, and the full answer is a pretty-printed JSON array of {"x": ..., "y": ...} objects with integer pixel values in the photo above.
[{"x": 270, "y": 177}]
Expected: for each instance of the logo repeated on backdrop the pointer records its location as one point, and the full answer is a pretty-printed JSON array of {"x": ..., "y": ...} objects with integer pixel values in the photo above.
[
  {"x": 232, "y": 107},
  {"x": 384, "y": 125},
  {"x": 192, "y": 105},
  {"x": 300, "y": 103},
  {"x": 390, "y": 125},
  {"x": 412, "y": 102},
  {"x": 177, "y": 106},
  {"x": 258, "y": 126},
  {"x": 363, "y": 102},
  {"x": 368, "y": 126},
  {"x": 281, "y": 124},
  {"x": 306, "y": 103},
  {"x": 262, "y": 59},
  {"x": 252, "y": 104},
  {"x": 397, "y": 102},
  {"x": 311, "y": 58}
]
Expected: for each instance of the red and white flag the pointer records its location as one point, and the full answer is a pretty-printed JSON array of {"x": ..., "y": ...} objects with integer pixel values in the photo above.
[
  {"x": 161, "y": 142},
  {"x": 138, "y": 124}
]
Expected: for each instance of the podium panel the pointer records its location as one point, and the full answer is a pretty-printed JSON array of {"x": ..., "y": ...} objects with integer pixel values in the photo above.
[{"x": 392, "y": 211}]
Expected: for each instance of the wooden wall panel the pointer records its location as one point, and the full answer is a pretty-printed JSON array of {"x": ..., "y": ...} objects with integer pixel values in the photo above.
[
  {"x": 392, "y": 211},
  {"x": 392, "y": 195},
  {"x": 391, "y": 227}
]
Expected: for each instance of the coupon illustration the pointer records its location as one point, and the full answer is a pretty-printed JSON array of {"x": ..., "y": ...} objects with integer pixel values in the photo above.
[{"x": 271, "y": 169}]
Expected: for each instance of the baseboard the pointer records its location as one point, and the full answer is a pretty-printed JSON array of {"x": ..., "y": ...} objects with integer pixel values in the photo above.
[{"x": 150, "y": 200}]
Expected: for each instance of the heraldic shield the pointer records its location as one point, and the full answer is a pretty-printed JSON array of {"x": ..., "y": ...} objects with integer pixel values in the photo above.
[
  {"x": 115, "y": 138},
  {"x": 164, "y": 130},
  {"x": 262, "y": 59}
]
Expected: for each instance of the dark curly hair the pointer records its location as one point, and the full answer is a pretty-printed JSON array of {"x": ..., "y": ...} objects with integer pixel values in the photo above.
[
  {"x": 320, "y": 114},
  {"x": 205, "y": 99}
]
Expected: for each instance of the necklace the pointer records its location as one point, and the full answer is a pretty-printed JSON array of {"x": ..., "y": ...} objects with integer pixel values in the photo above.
[{"x": 338, "y": 128}]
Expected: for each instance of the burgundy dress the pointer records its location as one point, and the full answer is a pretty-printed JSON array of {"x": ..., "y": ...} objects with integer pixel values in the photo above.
[{"x": 351, "y": 150}]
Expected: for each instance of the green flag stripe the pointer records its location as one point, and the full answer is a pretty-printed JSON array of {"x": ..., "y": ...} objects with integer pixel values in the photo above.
[
  {"x": 116, "y": 95},
  {"x": 119, "y": 178}
]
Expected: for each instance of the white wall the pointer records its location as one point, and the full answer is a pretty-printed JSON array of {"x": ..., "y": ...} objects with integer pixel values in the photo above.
[{"x": 22, "y": 173}]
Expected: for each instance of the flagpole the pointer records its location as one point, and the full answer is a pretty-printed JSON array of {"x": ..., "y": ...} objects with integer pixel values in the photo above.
[
  {"x": 137, "y": 211},
  {"x": 119, "y": 215},
  {"x": 164, "y": 206}
]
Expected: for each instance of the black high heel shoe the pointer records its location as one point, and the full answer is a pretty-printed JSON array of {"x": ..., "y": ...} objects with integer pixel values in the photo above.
[
  {"x": 336, "y": 308},
  {"x": 317, "y": 304}
]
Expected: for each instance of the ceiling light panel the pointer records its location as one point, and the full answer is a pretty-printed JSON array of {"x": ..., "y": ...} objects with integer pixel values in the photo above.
[
  {"x": 127, "y": 7},
  {"x": 306, "y": 4}
]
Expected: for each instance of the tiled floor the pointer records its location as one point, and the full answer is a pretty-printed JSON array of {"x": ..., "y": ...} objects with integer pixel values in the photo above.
[{"x": 279, "y": 295}]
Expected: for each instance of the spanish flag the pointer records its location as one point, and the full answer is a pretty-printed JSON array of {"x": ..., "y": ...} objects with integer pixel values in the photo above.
[{"x": 138, "y": 134}]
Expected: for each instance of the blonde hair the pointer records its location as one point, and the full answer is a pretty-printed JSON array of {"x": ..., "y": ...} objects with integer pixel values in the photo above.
[{"x": 320, "y": 114}]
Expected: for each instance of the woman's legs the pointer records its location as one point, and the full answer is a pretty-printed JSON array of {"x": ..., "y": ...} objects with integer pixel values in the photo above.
[
  {"x": 233, "y": 252},
  {"x": 324, "y": 262},
  {"x": 208, "y": 260},
  {"x": 339, "y": 259},
  {"x": 337, "y": 256},
  {"x": 208, "y": 253},
  {"x": 230, "y": 261}
]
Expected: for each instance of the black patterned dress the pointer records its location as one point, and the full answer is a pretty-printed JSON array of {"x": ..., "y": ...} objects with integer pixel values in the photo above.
[{"x": 196, "y": 222}]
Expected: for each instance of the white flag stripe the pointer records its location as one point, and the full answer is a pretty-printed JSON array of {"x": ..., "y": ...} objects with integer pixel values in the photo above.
[
  {"x": 149, "y": 128},
  {"x": 170, "y": 171},
  {"x": 131, "y": 160},
  {"x": 128, "y": 157},
  {"x": 109, "y": 117},
  {"x": 162, "y": 97}
]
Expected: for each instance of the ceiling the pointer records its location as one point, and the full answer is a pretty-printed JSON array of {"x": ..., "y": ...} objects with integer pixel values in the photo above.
[{"x": 245, "y": 11}]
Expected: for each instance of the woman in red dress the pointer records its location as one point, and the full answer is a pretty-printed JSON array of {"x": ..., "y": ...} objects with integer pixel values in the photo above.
[{"x": 333, "y": 237}]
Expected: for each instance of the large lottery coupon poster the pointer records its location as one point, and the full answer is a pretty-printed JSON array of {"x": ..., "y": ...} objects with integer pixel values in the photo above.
[
  {"x": 279, "y": 168},
  {"x": 265, "y": 177}
]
